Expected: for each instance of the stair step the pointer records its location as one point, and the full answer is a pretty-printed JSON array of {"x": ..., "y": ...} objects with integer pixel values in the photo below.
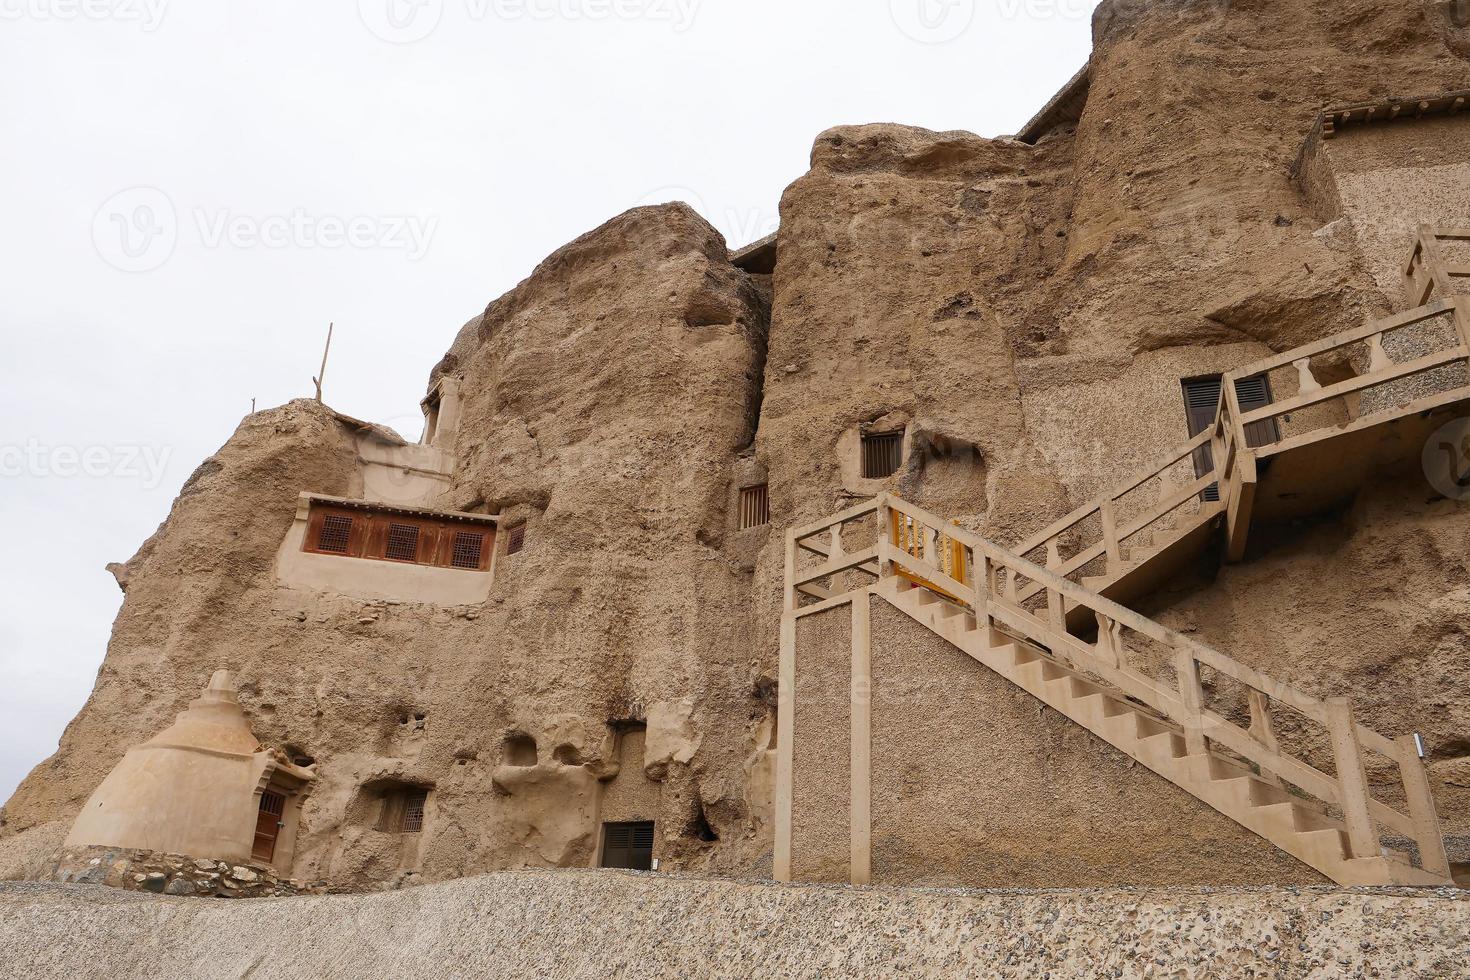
[
  {"x": 1164, "y": 742},
  {"x": 1224, "y": 771},
  {"x": 1327, "y": 846},
  {"x": 1299, "y": 826}
]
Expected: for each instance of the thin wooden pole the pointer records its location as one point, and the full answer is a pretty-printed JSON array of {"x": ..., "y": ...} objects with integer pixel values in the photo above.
[{"x": 323, "y": 372}]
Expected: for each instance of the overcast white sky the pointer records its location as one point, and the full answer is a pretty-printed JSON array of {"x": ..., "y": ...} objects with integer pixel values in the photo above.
[{"x": 192, "y": 191}]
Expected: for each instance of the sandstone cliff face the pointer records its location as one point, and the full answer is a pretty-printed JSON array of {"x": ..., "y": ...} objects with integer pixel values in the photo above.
[
  {"x": 1023, "y": 312},
  {"x": 199, "y": 593},
  {"x": 603, "y": 398}
]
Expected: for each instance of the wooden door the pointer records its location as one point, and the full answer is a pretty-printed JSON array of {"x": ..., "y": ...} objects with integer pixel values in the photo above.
[
  {"x": 907, "y": 535},
  {"x": 268, "y": 826}
]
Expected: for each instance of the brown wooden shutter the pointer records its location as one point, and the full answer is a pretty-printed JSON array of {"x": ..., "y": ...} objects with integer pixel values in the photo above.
[
  {"x": 334, "y": 534},
  {"x": 469, "y": 550},
  {"x": 1254, "y": 393},
  {"x": 628, "y": 845},
  {"x": 1201, "y": 402},
  {"x": 413, "y": 811}
]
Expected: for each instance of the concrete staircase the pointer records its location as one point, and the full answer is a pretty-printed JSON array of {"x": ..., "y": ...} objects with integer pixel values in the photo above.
[
  {"x": 1051, "y": 614},
  {"x": 1264, "y": 806}
]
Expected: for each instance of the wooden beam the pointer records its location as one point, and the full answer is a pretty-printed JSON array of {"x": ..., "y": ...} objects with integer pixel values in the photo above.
[
  {"x": 861, "y": 715},
  {"x": 1241, "y": 502},
  {"x": 1352, "y": 780}
]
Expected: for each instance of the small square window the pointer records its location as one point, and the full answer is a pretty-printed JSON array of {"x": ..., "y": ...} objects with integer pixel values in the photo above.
[
  {"x": 515, "y": 539},
  {"x": 403, "y": 810},
  {"x": 882, "y": 454},
  {"x": 468, "y": 550},
  {"x": 755, "y": 506},
  {"x": 403, "y": 542},
  {"x": 413, "y": 811},
  {"x": 336, "y": 531}
]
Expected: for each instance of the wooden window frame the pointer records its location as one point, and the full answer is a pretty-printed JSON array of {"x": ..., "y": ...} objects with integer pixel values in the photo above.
[
  {"x": 877, "y": 450},
  {"x": 404, "y": 810},
  {"x": 515, "y": 539},
  {"x": 755, "y": 506},
  {"x": 371, "y": 530}
]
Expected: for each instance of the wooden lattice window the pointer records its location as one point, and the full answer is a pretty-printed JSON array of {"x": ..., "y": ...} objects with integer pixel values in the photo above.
[
  {"x": 469, "y": 549},
  {"x": 515, "y": 539},
  {"x": 398, "y": 536},
  {"x": 335, "y": 533},
  {"x": 628, "y": 845},
  {"x": 755, "y": 506},
  {"x": 403, "y": 542}
]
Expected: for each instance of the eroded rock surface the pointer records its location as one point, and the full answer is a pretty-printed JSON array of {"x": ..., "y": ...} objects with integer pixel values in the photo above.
[{"x": 1023, "y": 313}]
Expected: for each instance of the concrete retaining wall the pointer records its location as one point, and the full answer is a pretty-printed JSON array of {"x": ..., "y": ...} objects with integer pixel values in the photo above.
[{"x": 573, "y": 924}]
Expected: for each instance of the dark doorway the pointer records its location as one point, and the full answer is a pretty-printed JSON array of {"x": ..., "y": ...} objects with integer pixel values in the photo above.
[
  {"x": 628, "y": 845},
  {"x": 1202, "y": 400},
  {"x": 268, "y": 826}
]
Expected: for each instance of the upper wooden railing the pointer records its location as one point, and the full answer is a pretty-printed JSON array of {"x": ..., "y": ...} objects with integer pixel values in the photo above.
[
  {"x": 1140, "y": 658},
  {"x": 1395, "y": 365},
  {"x": 1094, "y": 537},
  {"x": 1430, "y": 271}
]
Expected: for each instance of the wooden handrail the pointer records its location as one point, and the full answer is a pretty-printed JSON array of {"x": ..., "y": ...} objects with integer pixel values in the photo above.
[
  {"x": 992, "y": 589},
  {"x": 1133, "y": 483},
  {"x": 1307, "y": 351},
  {"x": 1408, "y": 369},
  {"x": 991, "y": 601}
]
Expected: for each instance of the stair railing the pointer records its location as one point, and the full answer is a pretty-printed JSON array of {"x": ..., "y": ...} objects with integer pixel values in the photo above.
[
  {"x": 1368, "y": 351},
  {"x": 1101, "y": 529},
  {"x": 1429, "y": 272},
  {"x": 1003, "y": 590}
]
